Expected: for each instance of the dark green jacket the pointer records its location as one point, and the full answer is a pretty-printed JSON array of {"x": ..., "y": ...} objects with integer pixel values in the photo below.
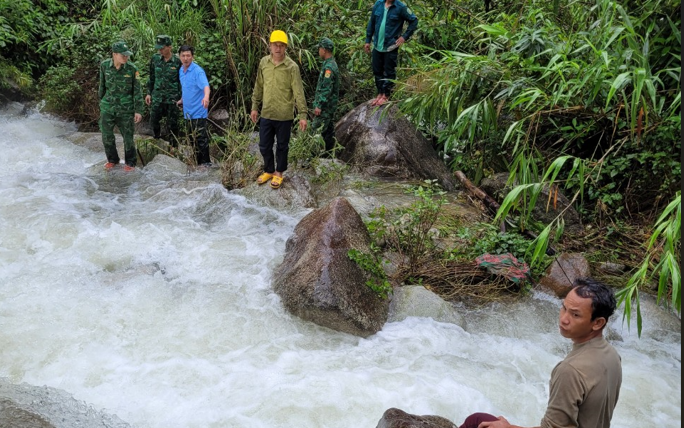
[
  {"x": 120, "y": 89},
  {"x": 397, "y": 15},
  {"x": 328, "y": 87},
  {"x": 164, "y": 84}
]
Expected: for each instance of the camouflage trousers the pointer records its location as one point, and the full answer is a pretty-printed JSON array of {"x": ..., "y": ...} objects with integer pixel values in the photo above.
[
  {"x": 124, "y": 121},
  {"x": 169, "y": 111},
  {"x": 324, "y": 124}
]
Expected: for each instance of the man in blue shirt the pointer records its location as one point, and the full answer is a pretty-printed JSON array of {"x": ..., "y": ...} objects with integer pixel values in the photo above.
[
  {"x": 384, "y": 29},
  {"x": 195, "y": 101}
]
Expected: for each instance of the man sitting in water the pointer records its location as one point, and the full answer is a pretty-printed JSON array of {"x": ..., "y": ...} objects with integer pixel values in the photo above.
[{"x": 585, "y": 386}]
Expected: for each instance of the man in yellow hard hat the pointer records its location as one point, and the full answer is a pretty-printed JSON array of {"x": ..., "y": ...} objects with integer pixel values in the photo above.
[{"x": 278, "y": 90}]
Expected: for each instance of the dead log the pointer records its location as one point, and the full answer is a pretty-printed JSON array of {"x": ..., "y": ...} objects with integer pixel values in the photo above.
[{"x": 489, "y": 202}]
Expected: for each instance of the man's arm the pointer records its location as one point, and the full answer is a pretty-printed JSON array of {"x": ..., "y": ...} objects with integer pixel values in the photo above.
[
  {"x": 501, "y": 423},
  {"x": 137, "y": 97},
  {"x": 205, "y": 100},
  {"x": 411, "y": 18},
  {"x": 151, "y": 77},
  {"x": 203, "y": 84},
  {"x": 300, "y": 99},
  {"x": 257, "y": 94},
  {"x": 102, "y": 89},
  {"x": 370, "y": 29}
]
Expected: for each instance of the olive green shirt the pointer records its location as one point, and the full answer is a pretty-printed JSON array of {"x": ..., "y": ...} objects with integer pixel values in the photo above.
[
  {"x": 120, "y": 89},
  {"x": 585, "y": 387},
  {"x": 164, "y": 81},
  {"x": 328, "y": 87},
  {"x": 278, "y": 90}
]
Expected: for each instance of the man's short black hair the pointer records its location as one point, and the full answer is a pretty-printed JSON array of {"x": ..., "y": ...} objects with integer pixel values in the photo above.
[
  {"x": 603, "y": 303},
  {"x": 186, "y": 48}
]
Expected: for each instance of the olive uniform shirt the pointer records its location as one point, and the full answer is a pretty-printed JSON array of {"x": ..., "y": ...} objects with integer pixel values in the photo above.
[
  {"x": 585, "y": 387},
  {"x": 328, "y": 89},
  {"x": 163, "y": 84},
  {"x": 120, "y": 90},
  {"x": 278, "y": 89}
]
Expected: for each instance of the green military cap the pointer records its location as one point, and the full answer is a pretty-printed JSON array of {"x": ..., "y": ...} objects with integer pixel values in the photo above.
[
  {"x": 122, "y": 48},
  {"x": 326, "y": 43},
  {"x": 162, "y": 40}
]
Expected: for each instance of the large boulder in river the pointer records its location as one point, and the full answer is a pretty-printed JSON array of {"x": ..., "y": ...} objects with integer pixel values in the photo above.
[
  {"x": 319, "y": 283},
  {"x": 381, "y": 142}
]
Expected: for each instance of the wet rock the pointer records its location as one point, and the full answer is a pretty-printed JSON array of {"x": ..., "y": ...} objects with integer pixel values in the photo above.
[
  {"x": 29, "y": 406},
  {"x": 220, "y": 117},
  {"x": 319, "y": 283},
  {"x": 563, "y": 272},
  {"x": 381, "y": 142},
  {"x": 417, "y": 301},
  {"x": 13, "y": 416},
  {"x": 395, "y": 418},
  {"x": 294, "y": 194}
]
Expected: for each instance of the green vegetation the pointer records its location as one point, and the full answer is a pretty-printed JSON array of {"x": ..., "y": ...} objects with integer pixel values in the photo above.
[
  {"x": 370, "y": 263},
  {"x": 577, "y": 97},
  {"x": 405, "y": 232},
  {"x": 664, "y": 246}
]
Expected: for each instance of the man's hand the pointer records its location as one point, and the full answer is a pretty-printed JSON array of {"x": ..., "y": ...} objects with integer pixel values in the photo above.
[
  {"x": 148, "y": 100},
  {"x": 137, "y": 118},
  {"x": 366, "y": 47},
  {"x": 254, "y": 115},
  {"x": 205, "y": 102},
  {"x": 501, "y": 423},
  {"x": 302, "y": 125},
  {"x": 400, "y": 41},
  {"x": 317, "y": 111}
]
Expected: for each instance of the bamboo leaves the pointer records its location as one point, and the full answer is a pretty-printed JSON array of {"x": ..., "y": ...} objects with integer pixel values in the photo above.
[{"x": 665, "y": 245}]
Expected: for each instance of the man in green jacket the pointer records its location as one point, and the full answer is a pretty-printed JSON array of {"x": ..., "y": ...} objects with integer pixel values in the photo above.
[
  {"x": 327, "y": 95},
  {"x": 163, "y": 89},
  {"x": 278, "y": 90},
  {"x": 386, "y": 30},
  {"x": 121, "y": 104}
]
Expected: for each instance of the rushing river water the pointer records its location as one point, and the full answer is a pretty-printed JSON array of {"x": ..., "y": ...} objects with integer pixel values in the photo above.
[{"x": 147, "y": 296}]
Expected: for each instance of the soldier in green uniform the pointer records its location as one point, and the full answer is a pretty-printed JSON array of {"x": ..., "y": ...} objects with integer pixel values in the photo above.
[
  {"x": 163, "y": 89},
  {"x": 121, "y": 104},
  {"x": 327, "y": 95}
]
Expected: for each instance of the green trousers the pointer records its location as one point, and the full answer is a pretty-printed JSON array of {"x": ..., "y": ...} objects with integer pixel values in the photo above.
[{"x": 124, "y": 121}]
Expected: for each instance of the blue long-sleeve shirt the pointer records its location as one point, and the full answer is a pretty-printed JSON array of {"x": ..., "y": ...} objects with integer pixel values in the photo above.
[{"x": 397, "y": 14}]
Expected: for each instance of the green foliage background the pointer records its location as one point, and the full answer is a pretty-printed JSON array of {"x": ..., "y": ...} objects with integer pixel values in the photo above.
[{"x": 583, "y": 95}]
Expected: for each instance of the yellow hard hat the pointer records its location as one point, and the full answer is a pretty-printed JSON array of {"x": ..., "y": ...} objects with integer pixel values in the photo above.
[{"x": 278, "y": 36}]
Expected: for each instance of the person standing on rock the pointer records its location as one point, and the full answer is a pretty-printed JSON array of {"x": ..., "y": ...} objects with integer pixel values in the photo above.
[
  {"x": 384, "y": 29},
  {"x": 195, "y": 94},
  {"x": 121, "y": 104},
  {"x": 164, "y": 89},
  {"x": 327, "y": 95},
  {"x": 585, "y": 386},
  {"x": 278, "y": 90}
]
